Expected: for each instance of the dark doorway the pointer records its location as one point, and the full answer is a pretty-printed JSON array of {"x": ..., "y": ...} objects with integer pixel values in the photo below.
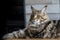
[{"x": 14, "y": 18}]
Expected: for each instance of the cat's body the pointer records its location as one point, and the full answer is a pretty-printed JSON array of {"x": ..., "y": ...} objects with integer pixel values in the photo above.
[{"x": 40, "y": 26}]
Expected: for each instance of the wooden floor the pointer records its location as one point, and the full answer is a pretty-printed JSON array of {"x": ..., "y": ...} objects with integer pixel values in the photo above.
[{"x": 33, "y": 39}]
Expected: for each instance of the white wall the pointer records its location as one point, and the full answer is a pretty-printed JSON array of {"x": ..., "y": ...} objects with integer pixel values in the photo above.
[{"x": 33, "y": 2}]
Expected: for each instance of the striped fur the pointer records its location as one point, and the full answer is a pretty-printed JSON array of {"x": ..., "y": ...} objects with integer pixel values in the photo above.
[{"x": 39, "y": 26}]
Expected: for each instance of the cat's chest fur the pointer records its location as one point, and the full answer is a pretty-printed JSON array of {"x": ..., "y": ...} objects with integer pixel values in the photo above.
[{"x": 47, "y": 30}]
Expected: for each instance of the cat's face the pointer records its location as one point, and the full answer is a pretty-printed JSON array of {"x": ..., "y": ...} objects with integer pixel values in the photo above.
[{"x": 39, "y": 16}]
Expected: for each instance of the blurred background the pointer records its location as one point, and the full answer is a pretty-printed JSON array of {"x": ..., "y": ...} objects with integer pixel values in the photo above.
[{"x": 52, "y": 10}]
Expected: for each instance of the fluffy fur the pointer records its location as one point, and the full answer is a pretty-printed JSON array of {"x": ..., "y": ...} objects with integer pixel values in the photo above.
[{"x": 39, "y": 26}]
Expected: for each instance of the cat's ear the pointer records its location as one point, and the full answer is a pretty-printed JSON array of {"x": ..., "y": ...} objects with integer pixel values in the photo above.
[
  {"x": 44, "y": 9},
  {"x": 33, "y": 9}
]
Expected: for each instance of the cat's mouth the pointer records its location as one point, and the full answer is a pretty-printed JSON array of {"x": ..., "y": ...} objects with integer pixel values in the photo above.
[
  {"x": 36, "y": 25},
  {"x": 37, "y": 22}
]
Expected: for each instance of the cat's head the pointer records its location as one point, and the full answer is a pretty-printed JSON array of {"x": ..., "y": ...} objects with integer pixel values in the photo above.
[{"x": 39, "y": 16}]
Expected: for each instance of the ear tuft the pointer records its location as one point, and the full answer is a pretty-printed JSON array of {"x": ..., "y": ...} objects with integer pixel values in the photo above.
[
  {"x": 31, "y": 7},
  {"x": 44, "y": 8}
]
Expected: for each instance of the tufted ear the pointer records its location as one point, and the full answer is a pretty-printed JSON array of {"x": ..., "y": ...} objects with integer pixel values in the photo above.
[
  {"x": 44, "y": 8},
  {"x": 33, "y": 9}
]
